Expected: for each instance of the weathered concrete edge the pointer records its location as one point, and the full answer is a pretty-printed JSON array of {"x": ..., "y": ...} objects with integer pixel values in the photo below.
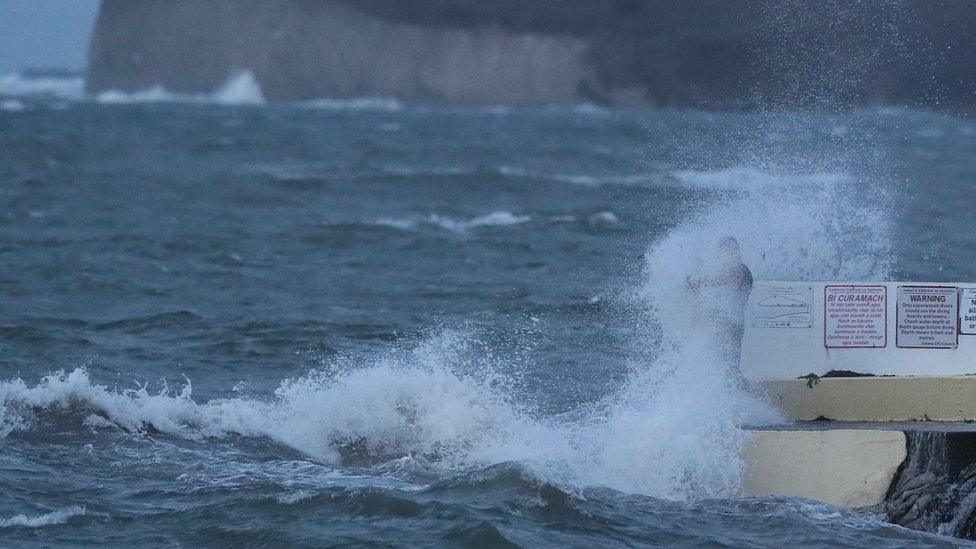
[
  {"x": 902, "y": 398},
  {"x": 845, "y": 467}
]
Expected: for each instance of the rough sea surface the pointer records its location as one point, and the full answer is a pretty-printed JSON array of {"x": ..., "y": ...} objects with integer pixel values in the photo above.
[{"x": 358, "y": 323}]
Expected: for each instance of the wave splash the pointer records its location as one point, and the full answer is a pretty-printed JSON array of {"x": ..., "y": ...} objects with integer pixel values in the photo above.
[
  {"x": 425, "y": 403},
  {"x": 241, "y": 88},
  {"x": 18, "y": 85},
  {"x": 673, "y": 430},
  {"x": 60, "y": 516},
  {"x": 493, "y": 219}
]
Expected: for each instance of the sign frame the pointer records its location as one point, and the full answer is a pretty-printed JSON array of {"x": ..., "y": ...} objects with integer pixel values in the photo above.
[
  {"x": 853, "y": 286},
  {"x": 962, "y": 293},
  {"x": 779, "y": 289},
  {"x": 898, "y": 319}
]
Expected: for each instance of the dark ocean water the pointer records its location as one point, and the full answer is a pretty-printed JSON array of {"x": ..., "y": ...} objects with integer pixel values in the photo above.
[{"x": 357, "y": 323}]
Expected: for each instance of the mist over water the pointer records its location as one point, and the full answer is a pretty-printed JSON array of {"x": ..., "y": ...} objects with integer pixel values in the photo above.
[{"x": 378, "y": 316}]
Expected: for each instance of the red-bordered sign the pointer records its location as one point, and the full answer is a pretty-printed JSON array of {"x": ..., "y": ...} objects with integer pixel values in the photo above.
[
  {"x": 934, "y": 321},
  {"x": 855, "y": 316}
]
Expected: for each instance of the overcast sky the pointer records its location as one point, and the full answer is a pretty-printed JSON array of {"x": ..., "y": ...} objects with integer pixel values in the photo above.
[{"x": 45, "y": 33}]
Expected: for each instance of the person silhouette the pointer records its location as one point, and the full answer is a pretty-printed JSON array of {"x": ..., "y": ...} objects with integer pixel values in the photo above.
[{"x": 728, "y": 285}]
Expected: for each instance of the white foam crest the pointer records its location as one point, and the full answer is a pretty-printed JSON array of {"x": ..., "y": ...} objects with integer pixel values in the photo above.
[
  {"x": 295, "y": 497},
  {"x": 241, "y": 88},
  {"x": 493, "y": 219},
  {"x": 435, "y": 401},
  {"x": 384, "y": 104},
  {"x": 674, "y": 429},
  {"x": 12, "y": 105},
  {"x": 131, "y": 409},
  {"x": 60, "y": 516},
  {"x": 155, "y": 94},
  {"x": 16, "y": 84},
  {"x": 585, "y": 180},
  {"x": 402, "y": 404},
  {"x": 603, "y": 220}
]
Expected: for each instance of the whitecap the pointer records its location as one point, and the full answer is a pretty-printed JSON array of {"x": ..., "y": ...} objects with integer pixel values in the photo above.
[
  {"x": 602, "y": 220},
  {"x": 60, "y": 516},
  {"x": 385, "y": 104},
  {"x": 241, "y": 88},
  {"x": 295, "y": 497},
  {"x": 16, "y": 84},
  {"x": 12, "y": 105},
  {"x": 493, "y": 219}
]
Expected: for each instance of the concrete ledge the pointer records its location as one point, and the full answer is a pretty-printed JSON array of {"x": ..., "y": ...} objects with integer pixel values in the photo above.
[
  {"x": 905, "y": 398},
  {"x": 845, "y": 467}
]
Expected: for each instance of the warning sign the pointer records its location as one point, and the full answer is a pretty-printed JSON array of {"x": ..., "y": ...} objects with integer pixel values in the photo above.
[
  {"x": 967, "y": 311},
  {"x": 782, "y": 306},
  {"x": 928, "y": 317},
  {"x": 855, "y": 316}
]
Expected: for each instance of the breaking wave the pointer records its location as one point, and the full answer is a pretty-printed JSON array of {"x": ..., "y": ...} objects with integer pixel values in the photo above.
[
  {"x": 60, "y": 516},
  {"x": 16, "y": 84},
  {"x": 386, "y": 104},
  {"x": 426, "y": 402},
  {"x": 674, "y": 429},
  {"x": 494, "y": 219},
  {"x": 240, "y": 89},
  {"x": 12, "y": 105}
]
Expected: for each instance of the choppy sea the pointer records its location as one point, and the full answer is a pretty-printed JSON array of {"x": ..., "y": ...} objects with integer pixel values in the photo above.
[{"x": 362, "y": 323}]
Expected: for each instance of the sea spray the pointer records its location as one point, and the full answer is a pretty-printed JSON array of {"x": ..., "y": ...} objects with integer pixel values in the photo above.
[
  {"x": 19, "y": 85},
  {"x": 241, "y": 88},
  {"x": 672, "y": 430},
  {"x": 676, "y": 427},
  {"x": 59, "y": 516},
  {"x": 493, "y": 219},
  {"x": 419, "y": 404}
]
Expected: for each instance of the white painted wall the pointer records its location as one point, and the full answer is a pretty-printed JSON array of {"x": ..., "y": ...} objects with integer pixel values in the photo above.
[{"x": 786, "y": 353}]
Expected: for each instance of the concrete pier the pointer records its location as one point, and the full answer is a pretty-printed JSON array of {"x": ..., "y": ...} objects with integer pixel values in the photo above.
[
  {"x": 876, "y": 383},
  {"x": 876, "y": 398},
  {"x": 851, "y": 442},
  {"x": 846, "y": 467}
]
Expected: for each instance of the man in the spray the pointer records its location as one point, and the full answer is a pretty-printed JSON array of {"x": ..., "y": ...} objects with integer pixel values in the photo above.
[{"x": 726, "y": 291}]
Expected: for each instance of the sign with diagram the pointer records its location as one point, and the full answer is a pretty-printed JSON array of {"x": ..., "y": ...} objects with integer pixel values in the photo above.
[
  {"x": 855, "y": 316},
  {"x": 782, "y": 306},
  {"x": 928, "y": 317}
]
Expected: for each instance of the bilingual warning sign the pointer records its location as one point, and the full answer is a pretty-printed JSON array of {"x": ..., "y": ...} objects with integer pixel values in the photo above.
[
  {"x": 928, "y": 317},
  {"x": 782, "y": 306},
  {"x": 855, "y": 316},
  {"x": 967, "y": 311}
]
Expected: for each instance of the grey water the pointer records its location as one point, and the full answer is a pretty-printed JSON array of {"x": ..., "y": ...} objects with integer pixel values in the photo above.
[{"x": 362, "y": 323}]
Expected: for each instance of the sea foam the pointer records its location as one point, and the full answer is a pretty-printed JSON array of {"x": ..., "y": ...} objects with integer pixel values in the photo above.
[
  {"x": 241, "y": 88},
  {"x": 16, "y": 84},
  {"x": 493, "y": 219},
  {"x": 673, "y": 429},
  {"x": 60, "y": 516}
]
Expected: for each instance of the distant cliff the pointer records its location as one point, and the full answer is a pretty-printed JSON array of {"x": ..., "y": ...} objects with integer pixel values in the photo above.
[{"x": 704, "y": 53}]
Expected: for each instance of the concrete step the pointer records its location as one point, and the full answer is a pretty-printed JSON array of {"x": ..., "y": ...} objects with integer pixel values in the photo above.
[{"x": 876, "y": 399}]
